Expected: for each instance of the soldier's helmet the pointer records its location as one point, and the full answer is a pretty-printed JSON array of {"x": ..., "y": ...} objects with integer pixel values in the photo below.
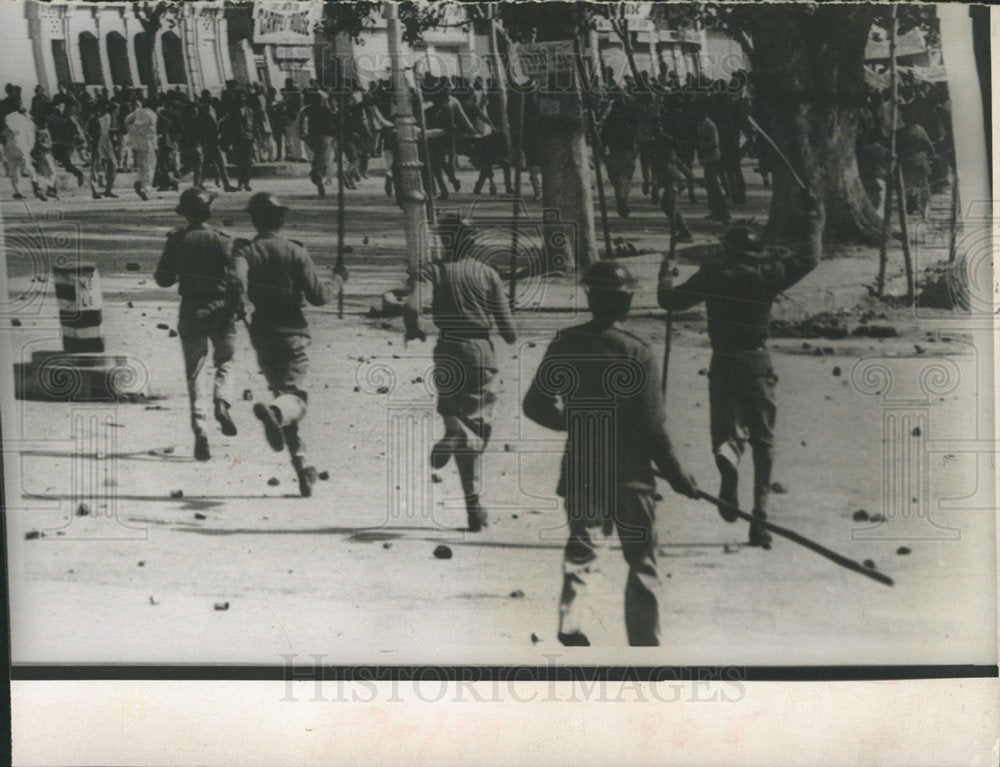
[
  {"x": 265, "y": 201},
  {"x": 609, "y": 275},
  {"x": 455, "y": 232},
  {"x": 742, "y": 243},
  {"x": 195, "y": 203}
]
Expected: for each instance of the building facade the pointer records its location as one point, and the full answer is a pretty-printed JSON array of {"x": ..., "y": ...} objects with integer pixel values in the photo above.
[{"x": 105, "y": 45}]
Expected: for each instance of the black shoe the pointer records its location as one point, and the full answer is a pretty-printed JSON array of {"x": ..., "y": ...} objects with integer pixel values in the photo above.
[
  {"x": 18, "y": 196},
  {"x": 478, "y": 519},
  {"x": 230, "y": 188},
  {"x": 576, "y": 639},
  {"x": 442, "y": 450},
  {"x": 645, "y": 187},
  {"x": 95, "y": 194},
  {"x": 307, "y": 478},
  {"x": 457, "y": 184},
  {"x": 140, "y": 191},
  {"x": 687, "y": 237},
  {"x": 225, "y": 419},
  {"x": 759, "y": 536},
  {"x": 201, "y": 451},
  {"x": 111, "y": 195},
  {"x": 272, "y": 429}
]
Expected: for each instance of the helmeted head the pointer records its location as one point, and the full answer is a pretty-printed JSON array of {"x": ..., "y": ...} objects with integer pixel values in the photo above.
[
  {"x": 741, "y": 243},
  {"x": 266, "y": 211},
  {"x": 456, "y": 235},
  {"x": 196, "y": 204},
  {"x": 610, "y": 285}
]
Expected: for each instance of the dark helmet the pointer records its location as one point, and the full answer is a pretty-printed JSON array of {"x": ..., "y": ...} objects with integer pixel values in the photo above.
[
  {"x": 742, "y": 242},
  {"x": 265, "y": 201},
  {"x": 454, "y": 231},
  {"x": 610, "y": 274},
  {"x": 195, "y": 203}
]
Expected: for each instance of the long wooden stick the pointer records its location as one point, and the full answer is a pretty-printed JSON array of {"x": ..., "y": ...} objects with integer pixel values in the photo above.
[
  {"x": 905, "y": 230},
  {"x": 670, "y": 314},
  {"x": 883, "y": 256},
  {"x": 795, "y": 537},
  {"x": 598, "y": 149}
]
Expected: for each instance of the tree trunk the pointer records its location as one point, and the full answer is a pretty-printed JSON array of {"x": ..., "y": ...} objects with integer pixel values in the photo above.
[
  {"x": 570, "y": 237},
  {"x": 808, "y": 69}
]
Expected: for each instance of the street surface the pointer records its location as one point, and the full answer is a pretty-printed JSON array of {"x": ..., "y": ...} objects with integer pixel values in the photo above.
[{"x": 349, "y": 574}]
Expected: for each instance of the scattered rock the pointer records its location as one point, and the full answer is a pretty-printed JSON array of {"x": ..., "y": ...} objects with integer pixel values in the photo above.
[
  {"x": 869, "y": 563},
  {"x": 817, "y": 352},
  {"x": 436, "y": 479},
  {"x": 221, "y": 606},
  {"x": 860, "y": 516},
  {"x": 30, "y": 536},
  {"x": 514, "y": 516},
  {"x": 877, "y": 518},
  {"x": 199, "y": 515},
  {"x": 703, "y": 371},
  {"x": 153, "y": 601},
  {"x": 172, "y": 334},
  {"x": 162, "y": 326},
  {"x": 731, "y": 548},
  {"x": 532, "y": 344},
  {"x": 508, "y": 448},
  {"x": 387, "y": 545},
  {"x": 836, "y": 372},
  {"x": 442, "y": 552},
  {"x": 919, "y": 349},
  {"x": 140, "y": 563},
  {"x": 247, "y": 395},
  {"x": 132, "y": 266},
  {"x": 903, "y": 550},
  {"x": 168, "y": 450},
  {"x": 516, "y": 594},
  {"x": 803, "y": 443},
  {"x": 357, "y": 388},
  {"x": 777, "y": 487},
  {"x": 16, "y": 322},
  {"x": 364, "y": 240},
  {"x": 418, "y": 379},
  {"x": 83, "y": 510},
  {"x": 130, "y": 305},
  {"x": 274, "y": 482},
  {"x": 534, "y": 638},
  {"x": 324, "y": 475},
  {"x": 383, "y": 390},
  {"x": 176, "y": 493},
  {"x": 915, "y": 432}
]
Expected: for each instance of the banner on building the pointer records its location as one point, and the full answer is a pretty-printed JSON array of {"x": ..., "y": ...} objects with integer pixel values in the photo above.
[
  {"x": 542, "y": 61},
  {"x": 287, "y": 23}
]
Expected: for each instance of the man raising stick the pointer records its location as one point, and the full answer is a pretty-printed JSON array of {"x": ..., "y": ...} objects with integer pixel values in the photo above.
[{"x": 738, "y": 292}]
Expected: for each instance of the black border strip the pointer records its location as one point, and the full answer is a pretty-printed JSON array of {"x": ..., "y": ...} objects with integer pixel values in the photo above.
[{"x": 546, "y": 673}]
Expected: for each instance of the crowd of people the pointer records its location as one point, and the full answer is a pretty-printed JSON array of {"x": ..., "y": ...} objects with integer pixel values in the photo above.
[{"x": 658, "y": 125}]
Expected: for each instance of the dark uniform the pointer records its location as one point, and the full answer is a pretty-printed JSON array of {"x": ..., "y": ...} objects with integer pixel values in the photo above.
[
  {"x": 468, "y": 297},
  {"x": 599, "y": 383},
  {"x": 738, "y": 292},
  {"x": 280, "y": 278},
  {"x": 210, "y": 279}
]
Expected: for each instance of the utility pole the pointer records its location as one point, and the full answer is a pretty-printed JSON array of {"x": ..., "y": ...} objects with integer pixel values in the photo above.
[{"x": 409, "y": 179}]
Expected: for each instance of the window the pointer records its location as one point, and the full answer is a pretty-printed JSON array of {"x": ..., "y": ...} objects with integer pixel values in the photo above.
[
  {"x": 118, "y": 59},
  {"x": 144, "y": 58},
  {"x": 90, "y": 59},
  {"x": 173, "y": 59},
  {"x": 61, "y": 59}
]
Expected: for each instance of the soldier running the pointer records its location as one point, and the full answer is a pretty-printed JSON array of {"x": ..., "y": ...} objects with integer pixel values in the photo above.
[
  {"x": 738, "y": 292},
  {"x": 468, "y": 297},
  {"x": 210, "y": 281},
  {"x": 280, "y": 275},
  {"x": 599, "y": 383}
]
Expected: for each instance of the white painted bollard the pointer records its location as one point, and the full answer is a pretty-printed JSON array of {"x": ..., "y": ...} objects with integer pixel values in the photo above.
[{"x": 78, "y": 293}]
